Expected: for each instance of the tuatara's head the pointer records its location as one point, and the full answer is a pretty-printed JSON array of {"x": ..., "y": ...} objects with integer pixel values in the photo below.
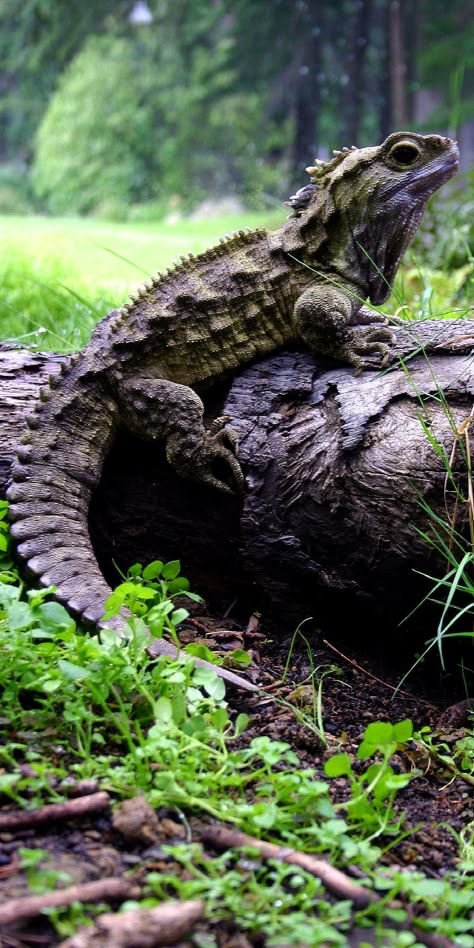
[{"x": 374, "y": 199}]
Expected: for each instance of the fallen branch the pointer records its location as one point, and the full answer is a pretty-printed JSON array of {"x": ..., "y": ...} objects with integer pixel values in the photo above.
[
  {"x": 380, "y": 681},
  {"x": 333, "y": 879},
  {"x": 319, "y": 447},
  {"x": 431, "y": 940},
  {"x": 149, "y": 928},
  {"x": 104, "y": 890},
  {"x": 70, "y": 809}
]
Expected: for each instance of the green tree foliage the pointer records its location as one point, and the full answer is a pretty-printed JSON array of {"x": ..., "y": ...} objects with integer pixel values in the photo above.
[
  {"x": 94, "y": 142},
  {"x": 38, "y": 38},
  {"x": 216, "y": 96},
  {"x": 131, "y": 122}
]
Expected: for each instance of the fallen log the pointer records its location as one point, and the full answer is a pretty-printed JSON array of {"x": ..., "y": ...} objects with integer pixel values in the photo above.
[{"x": 336, "y": 467}]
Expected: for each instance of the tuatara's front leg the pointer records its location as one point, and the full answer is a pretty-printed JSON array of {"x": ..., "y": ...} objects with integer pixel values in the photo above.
[
  {"x": 154, "y": 408},
  {"x": 367, "y": 317},
  {"x": 326, "y": 318}
]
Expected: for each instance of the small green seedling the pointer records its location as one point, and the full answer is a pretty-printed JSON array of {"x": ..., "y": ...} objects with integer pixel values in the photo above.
[
  {"x": 149, "y": 592},
  {"x": 373, "y": 791}
]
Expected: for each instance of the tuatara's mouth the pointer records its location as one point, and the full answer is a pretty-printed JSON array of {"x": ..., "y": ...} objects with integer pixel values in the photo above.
[
  {"x": 454, "y": 164},
  {"x": 434, "y": 175}
]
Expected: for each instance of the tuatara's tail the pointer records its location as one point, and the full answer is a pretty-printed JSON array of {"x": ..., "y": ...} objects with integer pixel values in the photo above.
[
  {"x": 57, "y": 467},
  {"x": 58, "y": 464}
]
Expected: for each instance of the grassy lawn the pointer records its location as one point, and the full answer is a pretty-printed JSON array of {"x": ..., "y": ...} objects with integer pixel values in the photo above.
[
  {"x": 86, "y": 248},
  {"x": 59, "y": 275}
]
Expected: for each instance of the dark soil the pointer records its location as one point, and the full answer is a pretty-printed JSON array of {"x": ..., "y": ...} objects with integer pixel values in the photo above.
[{"x": 352, "y": 697}]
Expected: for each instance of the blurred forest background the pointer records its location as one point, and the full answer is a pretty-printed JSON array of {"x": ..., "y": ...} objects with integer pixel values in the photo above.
[{"x": 138, "y": 111}]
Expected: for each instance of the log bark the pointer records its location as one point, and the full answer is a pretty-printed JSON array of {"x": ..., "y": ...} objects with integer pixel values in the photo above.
[{"x": 335, "y": 465}]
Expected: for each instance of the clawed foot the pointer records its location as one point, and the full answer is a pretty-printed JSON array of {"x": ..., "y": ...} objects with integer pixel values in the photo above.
[
  {"x": 221, "y": 445},
  {"x": 368, "y": 317},
  {"x": 368, "y": 348},
  {"x": 210, "y": 459}
]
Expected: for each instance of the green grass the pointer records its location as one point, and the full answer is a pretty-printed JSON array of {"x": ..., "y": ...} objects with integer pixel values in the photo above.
[
  {"x": 58, "y": 276},
  {"x": 85, "y": 247}
]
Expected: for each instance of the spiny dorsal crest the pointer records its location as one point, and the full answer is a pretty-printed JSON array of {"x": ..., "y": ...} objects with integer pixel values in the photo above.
[
  {"x": 236, "y": 238},
  {"x": 318, "y": 172},
  {"x": 321, "y": 169}
]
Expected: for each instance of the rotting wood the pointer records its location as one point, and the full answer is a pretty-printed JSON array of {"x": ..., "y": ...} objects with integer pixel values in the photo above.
[{"x": 335, "y": 466}]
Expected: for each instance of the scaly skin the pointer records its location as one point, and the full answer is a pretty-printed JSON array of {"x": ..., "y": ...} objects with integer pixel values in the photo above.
[{"x": 212, "y": 314}]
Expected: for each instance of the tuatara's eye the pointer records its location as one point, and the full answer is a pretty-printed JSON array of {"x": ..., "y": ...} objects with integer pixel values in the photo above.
[{"x": 404, "y": 154}]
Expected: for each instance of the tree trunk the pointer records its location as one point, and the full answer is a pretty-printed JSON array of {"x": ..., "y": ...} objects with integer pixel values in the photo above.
[
  {"x": 336, "y": 466},
  {"x": 355, "y": 90},
  {"x": 411, "y": 18},
  {"x": 306, "y": 69},
  {"x": 397, "y": 65},
  {"x": 381, "y": 78}
]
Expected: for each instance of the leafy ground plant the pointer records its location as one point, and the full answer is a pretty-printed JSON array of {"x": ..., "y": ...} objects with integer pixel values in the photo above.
[
  {"x": 373, "y": 791},
  {"x": 164, "y": 730},
  {"x": 149, "y": 594},
  {"x": 453, "y": 753},
  {"x": 290, "y": 905}
]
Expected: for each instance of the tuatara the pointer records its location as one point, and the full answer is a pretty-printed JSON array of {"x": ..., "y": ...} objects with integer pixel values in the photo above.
[{"x": 208, "y": 316}]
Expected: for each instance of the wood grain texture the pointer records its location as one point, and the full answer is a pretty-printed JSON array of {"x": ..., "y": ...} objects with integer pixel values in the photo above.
[{"x": 335, "y": 465}]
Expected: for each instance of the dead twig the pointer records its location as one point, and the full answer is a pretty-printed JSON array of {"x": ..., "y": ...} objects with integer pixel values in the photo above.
[
  {"x": 278, "y": 685},
  {"x": 149, "y": 928},
  {"x": 431, "y": 940},
  {"x": 385, "y": 684},
  {"x": 70, "y": 809},
  {"x": 103, "y": 890},
  {"x": 333, "y": 879},
  {"x": 450, "y": 766}
]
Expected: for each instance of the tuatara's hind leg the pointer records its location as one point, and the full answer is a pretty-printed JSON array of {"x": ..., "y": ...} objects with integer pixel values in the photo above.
[{"x": 159, "y": 409}]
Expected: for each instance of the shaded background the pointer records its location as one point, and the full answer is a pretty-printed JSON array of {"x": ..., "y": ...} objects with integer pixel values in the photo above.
[{"x": 145, "y": 110}]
